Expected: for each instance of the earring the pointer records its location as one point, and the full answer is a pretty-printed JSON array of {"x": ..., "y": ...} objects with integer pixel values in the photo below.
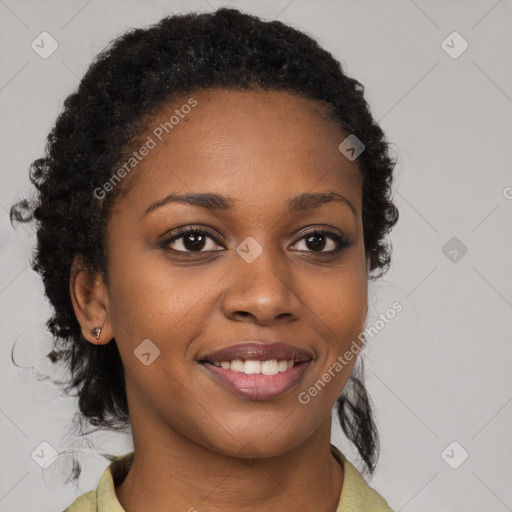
[{"x": 96, "y": 332}]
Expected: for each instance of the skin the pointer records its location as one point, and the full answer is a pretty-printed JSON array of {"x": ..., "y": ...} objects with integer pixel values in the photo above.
[{"x": 197, "y": 444}]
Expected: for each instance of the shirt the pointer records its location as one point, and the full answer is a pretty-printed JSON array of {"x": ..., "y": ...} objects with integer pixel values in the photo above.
[{"x": 356, "y": 494}]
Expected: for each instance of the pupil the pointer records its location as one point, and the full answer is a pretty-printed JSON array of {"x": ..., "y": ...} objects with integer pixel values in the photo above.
[
  {"x": 315, "y": 245},
  {"x": 189, "y": 244}
]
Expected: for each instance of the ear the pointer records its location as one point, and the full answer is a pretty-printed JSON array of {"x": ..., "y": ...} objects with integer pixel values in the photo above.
[{"x": 90, "y": 301}]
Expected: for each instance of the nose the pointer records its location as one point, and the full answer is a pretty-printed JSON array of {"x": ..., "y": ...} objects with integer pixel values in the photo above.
[{"x": 262, "y": 292}]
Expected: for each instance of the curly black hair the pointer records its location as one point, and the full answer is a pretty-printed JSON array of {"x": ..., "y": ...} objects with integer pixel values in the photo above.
[{"x": 128, "y": 81}]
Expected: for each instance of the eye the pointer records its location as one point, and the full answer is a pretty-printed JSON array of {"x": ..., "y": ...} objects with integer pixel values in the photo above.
[
  {"x": 317, "y": 240},
  {"x": 194, "y": 240},
  {"x": 190, "y": 240}
]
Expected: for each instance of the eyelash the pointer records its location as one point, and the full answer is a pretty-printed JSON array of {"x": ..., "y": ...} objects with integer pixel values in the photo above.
[{"x": 341, "y": 241}]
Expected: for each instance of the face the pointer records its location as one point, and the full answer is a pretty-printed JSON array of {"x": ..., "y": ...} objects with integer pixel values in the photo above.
[{"x": 256, "y": 269}]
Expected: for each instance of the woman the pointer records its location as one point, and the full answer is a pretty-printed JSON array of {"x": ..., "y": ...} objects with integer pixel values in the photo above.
[{"x": 213, "y": 200}]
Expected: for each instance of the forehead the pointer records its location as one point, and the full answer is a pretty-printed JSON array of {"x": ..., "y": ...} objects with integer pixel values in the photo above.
[{"x": 254, "y": 144}]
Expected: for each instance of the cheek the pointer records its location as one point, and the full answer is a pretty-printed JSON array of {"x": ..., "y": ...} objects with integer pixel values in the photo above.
[
  {"x": 337, "y": 308},
  {"x": 338, "y": 300},
  {"x": 152, "y": 298},
  {"x": 152, "y": 301}
]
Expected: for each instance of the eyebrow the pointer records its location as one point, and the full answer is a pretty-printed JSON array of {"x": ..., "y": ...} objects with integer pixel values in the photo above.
[{"x": 216, "y": 202}]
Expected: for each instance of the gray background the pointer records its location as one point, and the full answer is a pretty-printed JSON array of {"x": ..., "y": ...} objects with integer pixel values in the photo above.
[{"x": 440, "y": 371}]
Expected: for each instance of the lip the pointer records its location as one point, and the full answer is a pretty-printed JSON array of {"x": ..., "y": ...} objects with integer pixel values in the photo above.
[
  {"x": 258, "y": 351},
  {"x": 258, "y": 386}
]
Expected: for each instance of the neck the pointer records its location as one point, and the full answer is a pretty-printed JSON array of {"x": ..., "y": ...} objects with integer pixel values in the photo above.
[{"x": 171, "y": 472}]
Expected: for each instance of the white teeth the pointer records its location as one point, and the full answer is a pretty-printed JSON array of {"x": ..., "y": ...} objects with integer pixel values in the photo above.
[
  {"x": 252, "y": 367},
  {"x": 283, "y": 366},
  {"x": 270, "y": 367},
  {"x": 237, "y": 366}
]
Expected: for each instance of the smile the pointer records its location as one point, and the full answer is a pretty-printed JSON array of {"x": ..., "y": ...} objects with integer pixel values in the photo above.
[
  {"x": 253, "y": 367},
  {"x": 256, "y": 384},
  {"x": 258, "y": 371}
]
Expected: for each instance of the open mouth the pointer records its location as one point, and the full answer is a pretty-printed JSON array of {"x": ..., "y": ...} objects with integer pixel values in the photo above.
[
  {"x": 255, "y": 367},
  {"x": 257, "y": 380},
  {"x": 258, "y": 370}
]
